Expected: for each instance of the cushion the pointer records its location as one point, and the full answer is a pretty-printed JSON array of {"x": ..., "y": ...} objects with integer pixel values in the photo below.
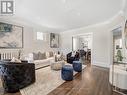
[
  {"x": 51, "y": 54},
  {"x": 73, "y": 54},
  {"x": 15, "y": 60},
  {"x": 47, "y": 54},
  {"x": 41, "y": 56},
  {"x": 35, "y": 56},
  {"x": 59, "y": 57},
  {"x": 44, "y": 61}
]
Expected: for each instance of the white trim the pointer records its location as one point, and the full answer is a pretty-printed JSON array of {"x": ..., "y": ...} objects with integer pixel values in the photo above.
[{"x": 101, "y": 64}]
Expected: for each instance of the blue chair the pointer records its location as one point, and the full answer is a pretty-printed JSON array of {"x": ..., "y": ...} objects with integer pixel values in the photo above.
[
  {"x": 77, "y": 66},
  {"x": 67, "y": 73}
]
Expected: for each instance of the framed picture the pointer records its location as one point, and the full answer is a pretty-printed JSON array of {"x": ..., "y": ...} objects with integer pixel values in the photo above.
[
  {"x": 125, "y": 34},
  {"x": 54, "y": 40},
  {"x": 11, "y": 36}
]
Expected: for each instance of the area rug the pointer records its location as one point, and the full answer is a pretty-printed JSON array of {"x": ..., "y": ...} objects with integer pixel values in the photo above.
[{"x": 46, "y": 81}]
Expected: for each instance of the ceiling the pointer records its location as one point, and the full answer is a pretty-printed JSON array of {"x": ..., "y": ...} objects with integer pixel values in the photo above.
[{"x": 67, "y": 14}]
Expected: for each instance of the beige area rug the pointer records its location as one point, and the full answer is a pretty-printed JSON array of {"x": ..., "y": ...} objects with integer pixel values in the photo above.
[{"x": 46, "y": 81}]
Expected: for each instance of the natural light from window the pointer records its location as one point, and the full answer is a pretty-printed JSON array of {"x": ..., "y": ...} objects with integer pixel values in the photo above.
[{"x": 40, "y": 36}]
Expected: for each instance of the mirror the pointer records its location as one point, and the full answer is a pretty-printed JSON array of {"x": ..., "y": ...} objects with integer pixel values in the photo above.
[
  {"x": 118, "y": 70},
  {"x": 117, "y": 44},
  {"x": 125, "y": 35}
]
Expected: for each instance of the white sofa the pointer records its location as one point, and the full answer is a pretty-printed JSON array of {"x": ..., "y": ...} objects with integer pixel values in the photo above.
[
  {"x": 40, "y": 63},
  {"x": 43, "y": 63}
]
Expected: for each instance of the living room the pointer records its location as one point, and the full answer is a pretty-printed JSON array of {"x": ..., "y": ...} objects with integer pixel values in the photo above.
[{"x": 67, "y": 42}]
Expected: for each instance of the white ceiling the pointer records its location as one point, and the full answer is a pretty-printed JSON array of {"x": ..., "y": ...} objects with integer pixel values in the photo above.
[{"x": 67, "y": 14}]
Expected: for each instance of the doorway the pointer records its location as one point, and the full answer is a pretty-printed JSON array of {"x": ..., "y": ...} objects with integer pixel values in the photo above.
[{"x": 83, "y": 45}]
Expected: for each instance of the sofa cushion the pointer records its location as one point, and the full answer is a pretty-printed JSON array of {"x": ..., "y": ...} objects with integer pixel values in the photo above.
[
  {"x": 15, "y": 60},
  {"x": 47, "y": 54},
  {"x": 51, "y": 54},
  {"x": 35, "y": 56},
  {"x": 41, "y": 56},
  {"x": 44, "y": 62}
]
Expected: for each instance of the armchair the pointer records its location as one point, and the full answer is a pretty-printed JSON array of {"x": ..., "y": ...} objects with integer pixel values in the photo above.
[
  {"x": 16, "y": 76},
  {"x": 70, "y": 59}
]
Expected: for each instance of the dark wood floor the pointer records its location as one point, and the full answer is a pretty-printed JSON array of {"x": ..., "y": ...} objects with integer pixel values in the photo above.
[{"x": 92, "y": 81}]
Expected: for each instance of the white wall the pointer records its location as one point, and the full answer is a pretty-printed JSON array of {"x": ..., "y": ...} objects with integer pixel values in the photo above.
[
  {"x": 75, "y": 43},
  {"x": 33, "y": 45},
  {"x": 101, "y": 47},
  {"x": 29, "y": 40},
  {"x": 101, "y": 40}
]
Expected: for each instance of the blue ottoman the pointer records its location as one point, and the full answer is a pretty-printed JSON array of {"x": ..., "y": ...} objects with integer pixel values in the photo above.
[
  {"x": 67, "y": 73},
  {"x": 77, "y": 66}
]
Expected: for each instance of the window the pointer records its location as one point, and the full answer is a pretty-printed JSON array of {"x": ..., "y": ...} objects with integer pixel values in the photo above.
[{"x": 40, "y": 36}]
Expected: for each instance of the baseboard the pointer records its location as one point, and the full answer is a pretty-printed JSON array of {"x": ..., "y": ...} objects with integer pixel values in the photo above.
[{"x": 101, "y": 64}]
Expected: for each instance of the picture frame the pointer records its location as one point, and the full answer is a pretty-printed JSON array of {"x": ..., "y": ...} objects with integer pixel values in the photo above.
[
  {"x": 11, "y": 36},
  {"x": 54, "y": 40},
  {"x": 125, "y": 34}
]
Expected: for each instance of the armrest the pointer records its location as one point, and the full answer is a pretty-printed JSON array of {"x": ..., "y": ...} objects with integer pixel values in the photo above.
[{"x": 16, "y": 76}]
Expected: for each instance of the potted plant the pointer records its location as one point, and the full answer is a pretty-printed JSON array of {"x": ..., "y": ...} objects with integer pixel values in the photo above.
[{"x": 119, "y": 56}]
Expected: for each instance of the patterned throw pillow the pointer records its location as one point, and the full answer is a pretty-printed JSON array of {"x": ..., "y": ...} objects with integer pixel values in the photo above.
[
  {"x": 59, "y": 58},
  {"x": 47, "y": 54},
  {"x": 41, "y": 56},
  {"x": 35, "y": 56},
  {"x": 51, "y": 54},
  {"x": 15, "y": 60}
]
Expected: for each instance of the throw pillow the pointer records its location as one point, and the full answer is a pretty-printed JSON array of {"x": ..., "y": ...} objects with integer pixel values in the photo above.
[
  {"x": 35, "y": 56},
  {"x": 15, "y": 60},
  {"x": 51, "y": 54},
  {"x": 41, "y": 56},
  {"x": 47, "y": 54}
]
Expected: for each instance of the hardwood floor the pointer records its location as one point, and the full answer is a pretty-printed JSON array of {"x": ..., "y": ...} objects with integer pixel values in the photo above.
[{"x": 92, "y": 81}]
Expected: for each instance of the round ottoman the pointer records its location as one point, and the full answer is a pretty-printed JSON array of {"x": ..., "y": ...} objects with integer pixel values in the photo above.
[
  {"x": 67, "y": 73},
  {"x": 57, "y": 65},
  {"x": 77, "y": 66}
]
